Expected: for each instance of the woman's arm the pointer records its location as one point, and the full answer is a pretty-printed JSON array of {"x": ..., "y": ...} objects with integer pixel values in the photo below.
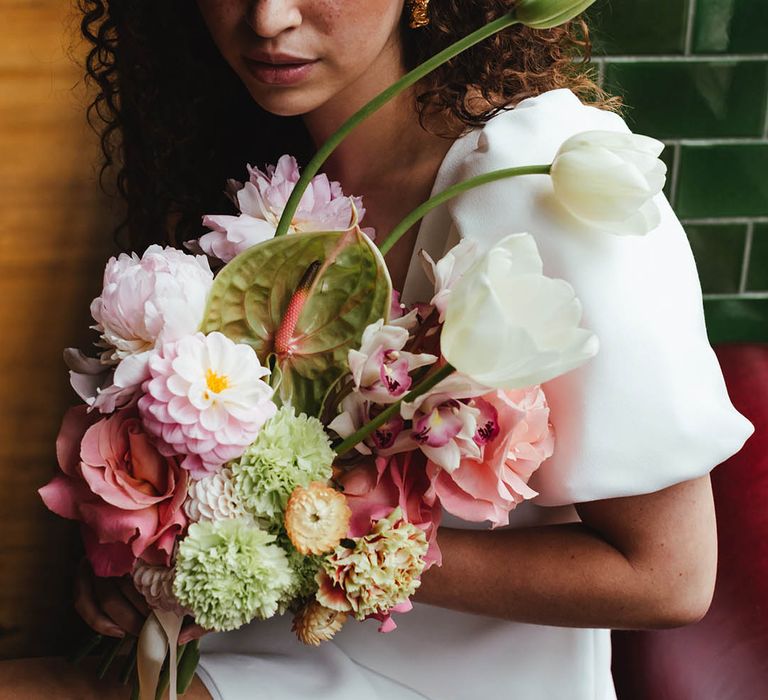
[{"x": 639, "y": 562}]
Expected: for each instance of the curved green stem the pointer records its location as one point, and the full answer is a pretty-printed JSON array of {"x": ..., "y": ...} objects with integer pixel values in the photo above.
[
  {"x": 380, "y": 100},
  {"x": 421, "y": 388},
  {"x": 422, "y": 210}
]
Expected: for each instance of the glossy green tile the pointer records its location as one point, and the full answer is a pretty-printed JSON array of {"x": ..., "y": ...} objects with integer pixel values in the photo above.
[
  {"x": 692, "y": 99},
  {"x": 632, "y": 27},
  {"x": 719, "y": 253},
  {"x": 731, "y": 26},
  {"x": 668, "y": 156},
  {"x": 736, "y": 320},
  {"x": 725, "y": 180},
  {"x": 757, "y": 278}
]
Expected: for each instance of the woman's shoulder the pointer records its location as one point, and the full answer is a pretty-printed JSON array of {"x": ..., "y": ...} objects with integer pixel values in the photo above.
[{"x": 534, "y": 129}]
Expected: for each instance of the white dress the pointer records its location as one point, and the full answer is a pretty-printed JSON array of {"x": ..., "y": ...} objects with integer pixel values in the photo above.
[{"x": 650, "y": 410}]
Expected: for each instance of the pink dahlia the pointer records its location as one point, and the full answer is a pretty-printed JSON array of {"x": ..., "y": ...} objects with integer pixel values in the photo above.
[
  {"x": 514, "y": 437},
  {"x": 261, "y": 200},
  {"x": 127, "y": 495},
  {"x": 205, "y": 399}
]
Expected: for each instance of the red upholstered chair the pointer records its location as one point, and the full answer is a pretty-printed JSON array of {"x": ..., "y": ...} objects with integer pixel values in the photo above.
[{"x": 725, "y": 656}]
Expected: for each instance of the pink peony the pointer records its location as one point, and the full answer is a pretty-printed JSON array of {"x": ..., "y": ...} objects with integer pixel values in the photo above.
[
  {"x": 150, "y": 300},
  {"x": 205, "y": 399},
  {"x": 261, "y": 200},
  {"x": 373, "y": 491},
  {"x": 127, "y": 496},
  {"x": 489, "y": 488}
]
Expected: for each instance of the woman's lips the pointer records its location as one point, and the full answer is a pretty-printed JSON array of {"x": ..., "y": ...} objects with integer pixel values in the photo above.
[{"x": 279, "y": 73}]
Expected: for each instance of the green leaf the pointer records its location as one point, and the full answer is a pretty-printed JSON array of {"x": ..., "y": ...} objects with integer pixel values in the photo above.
[
  {"x": 352, "y": 289},
  {"x": 187, "y": 665}
]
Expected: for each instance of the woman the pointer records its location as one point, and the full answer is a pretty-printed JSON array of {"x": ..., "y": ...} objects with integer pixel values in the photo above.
[{"x": 525, "y": 610}]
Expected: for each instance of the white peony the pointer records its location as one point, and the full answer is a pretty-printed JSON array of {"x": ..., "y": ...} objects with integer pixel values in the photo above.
[
  {"x": 609, "y": 179},
  {"x": 150, "y": 300},
  {"x": 507, "y": 326}
]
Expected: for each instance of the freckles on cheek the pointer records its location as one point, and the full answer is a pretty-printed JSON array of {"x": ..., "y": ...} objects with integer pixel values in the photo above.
[{"x": 330, "y": 16}]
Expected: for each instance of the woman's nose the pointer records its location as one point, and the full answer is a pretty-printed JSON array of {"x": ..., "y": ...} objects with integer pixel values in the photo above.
[{"x": 268, "y": 18}]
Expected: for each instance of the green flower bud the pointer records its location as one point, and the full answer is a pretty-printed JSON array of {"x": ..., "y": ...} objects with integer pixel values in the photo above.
[{"x": 545, "y": 14}]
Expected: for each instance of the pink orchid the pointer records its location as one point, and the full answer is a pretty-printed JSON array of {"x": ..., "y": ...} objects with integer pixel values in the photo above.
[
  {"x": 448, "y": 270},
  {"x": 380, "y": 368},
  {"x": 261, "y": 201},
  {"x": 445, "y": 431},
  {"x": 356, "y": 412},
  {"x": 445, "y": 426},
  {"x": 403, "y": 317},
  {"x": 489, "y": 487},
  {"x": 127, "y": 496},
  {"x": 103, "y": 386}
]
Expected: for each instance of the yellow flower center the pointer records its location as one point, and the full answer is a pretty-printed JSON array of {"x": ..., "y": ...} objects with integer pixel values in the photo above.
[{"x": 216, "y": 382}]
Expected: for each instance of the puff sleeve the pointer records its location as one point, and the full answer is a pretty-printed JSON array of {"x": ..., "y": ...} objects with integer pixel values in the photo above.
[{"x": 651, "y": 408}]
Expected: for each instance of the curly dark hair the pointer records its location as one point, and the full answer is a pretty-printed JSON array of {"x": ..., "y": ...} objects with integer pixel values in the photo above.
[{"x": 176, "y": 122}]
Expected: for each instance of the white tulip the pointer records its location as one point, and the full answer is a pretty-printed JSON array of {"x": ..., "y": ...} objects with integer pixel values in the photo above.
[
  {"x": 507, "y": 326},
  {"x": 609, "y": 179}
]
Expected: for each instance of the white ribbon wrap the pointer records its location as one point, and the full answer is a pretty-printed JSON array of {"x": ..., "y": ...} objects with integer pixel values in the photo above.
[{"x": 160, "y": 631}]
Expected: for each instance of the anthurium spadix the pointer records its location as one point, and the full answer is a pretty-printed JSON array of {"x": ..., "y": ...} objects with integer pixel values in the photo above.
[
  {"x": 302, "y": 302},
  {"x": 508, "y": 326},
  {"x": 545, "y": 14}
]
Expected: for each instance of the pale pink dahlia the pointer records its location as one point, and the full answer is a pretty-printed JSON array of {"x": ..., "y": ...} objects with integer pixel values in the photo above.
[
  {"x": 205, "y": 399},
  {"x": 261, "y": 200}
]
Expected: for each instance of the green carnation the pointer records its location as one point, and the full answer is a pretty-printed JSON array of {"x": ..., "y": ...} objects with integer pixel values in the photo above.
[
  {"x": 289, "y": 451},
  {"x": 230, "y": 571},
  {"x": 304, "y": 569}
]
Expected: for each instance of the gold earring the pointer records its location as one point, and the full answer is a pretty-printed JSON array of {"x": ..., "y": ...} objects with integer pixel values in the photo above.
[{"x": 419, "y": 16}]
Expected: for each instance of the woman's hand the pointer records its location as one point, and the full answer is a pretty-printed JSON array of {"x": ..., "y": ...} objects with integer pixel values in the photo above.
[{"x": 113, "y": 607}]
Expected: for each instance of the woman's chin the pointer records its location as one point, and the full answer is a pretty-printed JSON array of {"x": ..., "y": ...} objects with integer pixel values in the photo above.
[{"x": 286, "y": 103}]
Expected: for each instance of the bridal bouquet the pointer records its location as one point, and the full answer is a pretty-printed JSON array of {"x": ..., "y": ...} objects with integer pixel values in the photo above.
[{"x": 282, "y": 434}]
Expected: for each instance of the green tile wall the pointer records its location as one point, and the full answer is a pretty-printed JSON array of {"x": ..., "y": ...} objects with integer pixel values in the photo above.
[{"x": 694, "y": 73}]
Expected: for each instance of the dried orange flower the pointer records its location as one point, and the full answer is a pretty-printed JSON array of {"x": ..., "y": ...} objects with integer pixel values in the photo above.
[
  {"x": 314, "y": 623},
  {"x": 316, "y": 518}
]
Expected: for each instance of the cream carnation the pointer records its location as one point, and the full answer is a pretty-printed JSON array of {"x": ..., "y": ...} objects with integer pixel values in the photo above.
[
  {"x": 316, "y": 518},
  {"x": 229, "y": 572},
  {"x": 289, "y": 451},
  {"x": 213, "y": 498},
  {"x": 205, "y": 399},
  {"x": 381, "y": 571}
]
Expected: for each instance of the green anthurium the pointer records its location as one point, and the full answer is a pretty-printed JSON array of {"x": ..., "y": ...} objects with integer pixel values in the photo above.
[{"x": 305, "y": 300}]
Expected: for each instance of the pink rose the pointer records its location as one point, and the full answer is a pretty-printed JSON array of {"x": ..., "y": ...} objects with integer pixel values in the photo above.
[
  {"x": 373, "y": 491},
  {"x": 127, "y": 496},
  {"x": 489, "y": 488}
]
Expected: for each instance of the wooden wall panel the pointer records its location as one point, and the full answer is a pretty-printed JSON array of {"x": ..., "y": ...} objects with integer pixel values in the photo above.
[{"x": 55, "y": 234}]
